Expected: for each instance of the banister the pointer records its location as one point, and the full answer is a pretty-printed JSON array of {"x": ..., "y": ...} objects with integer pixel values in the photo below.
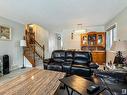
[
  {"x": 34, "y": 47},
  {"x": 39, "y": 44},
  {"x": 42, "y": 47}
]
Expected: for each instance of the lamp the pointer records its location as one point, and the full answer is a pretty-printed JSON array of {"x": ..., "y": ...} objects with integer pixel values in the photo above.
[
  {"x": 119, "y": 46},
  {"x": 23, "y": 44}
]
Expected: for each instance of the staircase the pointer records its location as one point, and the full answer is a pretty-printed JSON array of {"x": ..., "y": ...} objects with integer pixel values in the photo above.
[{"x": 34, "y": 51}]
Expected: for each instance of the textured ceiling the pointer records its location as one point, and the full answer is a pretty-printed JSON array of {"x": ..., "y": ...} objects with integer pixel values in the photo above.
[{"x": 54, "y": 14}]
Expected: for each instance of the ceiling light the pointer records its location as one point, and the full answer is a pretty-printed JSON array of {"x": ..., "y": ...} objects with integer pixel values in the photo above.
[
  {"x": 80, "y": 29},
  {"x": 31, "y": 25}
]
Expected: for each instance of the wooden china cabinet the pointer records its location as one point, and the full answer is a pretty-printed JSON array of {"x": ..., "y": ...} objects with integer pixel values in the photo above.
[{"x": 95, "y": 42}]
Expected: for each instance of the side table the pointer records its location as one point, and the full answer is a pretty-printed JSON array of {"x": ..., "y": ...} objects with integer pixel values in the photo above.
[{"x": 79, "y": 85}]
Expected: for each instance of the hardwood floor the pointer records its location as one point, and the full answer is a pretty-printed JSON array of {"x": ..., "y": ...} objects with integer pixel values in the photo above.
[{"x": 34, "y": 82}]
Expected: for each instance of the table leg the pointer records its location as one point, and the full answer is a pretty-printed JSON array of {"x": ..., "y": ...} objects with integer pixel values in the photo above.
[
  {"x": 67, "y": 90},
  {"x": 62, "y": 86},
  {"x": 71, "y": 92}
]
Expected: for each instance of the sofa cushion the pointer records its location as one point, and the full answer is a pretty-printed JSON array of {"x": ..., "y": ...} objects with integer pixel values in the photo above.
[
  {"x": 55, "y": 67},
  {"x": 81, "y": 57},
  {"x": 58, "y": 56},
  {"x": 66, "y": 67},
  {"x": 69, "y": 56},
  {"x": 94, "y": 66},
  {"x": 81, "y": 71}
]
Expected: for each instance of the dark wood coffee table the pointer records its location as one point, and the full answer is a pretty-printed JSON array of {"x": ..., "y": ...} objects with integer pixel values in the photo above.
[{"x": 79, "y": 85}]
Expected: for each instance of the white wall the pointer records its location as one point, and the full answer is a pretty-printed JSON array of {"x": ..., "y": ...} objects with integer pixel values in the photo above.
[
  {"x": 74, "y": 43},
  {"x": 12, "y": 47},
  {"x": 69, "y": 43},
  {"x": 121, "y": 20},
  {"x": 52, "y": 42}
]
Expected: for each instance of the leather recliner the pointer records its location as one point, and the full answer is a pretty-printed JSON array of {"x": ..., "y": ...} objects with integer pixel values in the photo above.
[
  {"x": 68, "y": 61},
  {"x": 56, "y": 61},
  {"x": 81, "y": 63}
]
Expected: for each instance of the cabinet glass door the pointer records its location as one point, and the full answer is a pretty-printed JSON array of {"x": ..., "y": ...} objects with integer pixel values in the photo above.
[
  {"x": 92, "y": 39},
  {"x": 85, "y": 40},
  {"x": 100, "y": 40}
]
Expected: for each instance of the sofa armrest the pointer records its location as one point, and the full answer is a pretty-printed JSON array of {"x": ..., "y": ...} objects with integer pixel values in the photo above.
[
  {"x": 47, "y": 61},
  {"x": 93, "y": 65}
]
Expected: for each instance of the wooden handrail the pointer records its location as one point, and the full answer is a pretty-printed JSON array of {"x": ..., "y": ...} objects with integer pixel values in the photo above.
[
  {"x": 38, "y": 44},
  {"x": 42, "y": 47}
]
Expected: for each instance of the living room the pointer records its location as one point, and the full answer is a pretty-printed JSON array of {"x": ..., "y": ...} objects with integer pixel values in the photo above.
[{"x": 61, "y": 36}]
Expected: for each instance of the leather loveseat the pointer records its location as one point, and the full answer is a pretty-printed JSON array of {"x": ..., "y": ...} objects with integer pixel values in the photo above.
[{"x": 71, "y": 62}]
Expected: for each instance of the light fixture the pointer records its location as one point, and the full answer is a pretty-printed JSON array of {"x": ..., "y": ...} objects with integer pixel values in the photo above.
[
  {"x": 23, "y": 44},
  {"x": 31, "y": 25},
  {"x": 72, "y": 35},
  {"x": 80, "y": 29}
]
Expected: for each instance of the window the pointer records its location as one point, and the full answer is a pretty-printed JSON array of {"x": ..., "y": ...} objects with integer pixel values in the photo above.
[{"x": 111, "y": 36}]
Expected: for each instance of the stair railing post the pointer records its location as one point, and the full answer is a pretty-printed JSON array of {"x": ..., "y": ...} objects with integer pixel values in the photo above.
[
  {"x": 43, "y": 52},
  {"x": 34, "y": 54}
]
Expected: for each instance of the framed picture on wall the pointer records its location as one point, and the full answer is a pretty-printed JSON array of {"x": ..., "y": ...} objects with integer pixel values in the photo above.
[{"x": 5, "y": 33}]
